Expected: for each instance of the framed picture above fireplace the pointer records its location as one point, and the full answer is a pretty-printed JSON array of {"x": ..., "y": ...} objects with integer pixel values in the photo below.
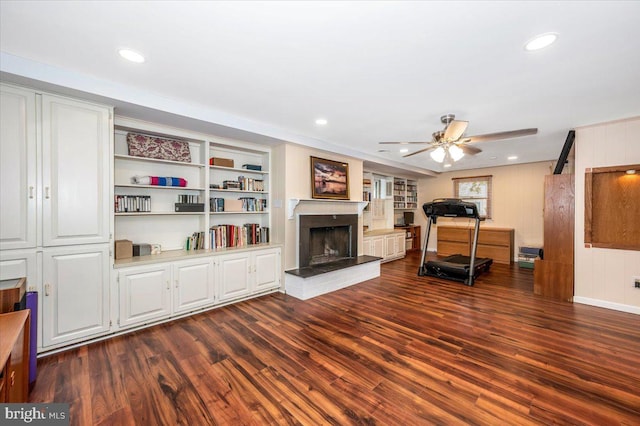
[{"x": 329, "y": 179}]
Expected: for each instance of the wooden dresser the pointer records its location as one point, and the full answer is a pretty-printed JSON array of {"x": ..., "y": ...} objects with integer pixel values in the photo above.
[
  {"x": 495, "y": 243},
  {"x": 14, "y": 356}
]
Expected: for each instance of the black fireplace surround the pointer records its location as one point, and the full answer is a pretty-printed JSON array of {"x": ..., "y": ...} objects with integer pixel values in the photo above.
[
  {"x": 327, "y": 238},
  {"x": 327, "y": 243}
]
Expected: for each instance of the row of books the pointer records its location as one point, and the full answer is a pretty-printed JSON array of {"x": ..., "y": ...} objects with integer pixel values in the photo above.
[
  {"x": 132, "y": 203},
  {"x": 188, "y": 199},
  {"x": 242, "y": 184},
  {"x": 244, "y": 204},
  {"x": 195, "y": 241},
  {"x": 222, "y": 236}
]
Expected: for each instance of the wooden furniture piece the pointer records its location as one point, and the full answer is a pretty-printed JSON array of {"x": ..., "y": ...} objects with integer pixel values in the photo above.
[
  {"x": 553, "y": 276},
  {"x": 11, "y": 292},
  {"x": 606, "y": 226},
  {"x": 494, "y": 243},
  {"x": 14, "y": 356},
  {"x": 413, "y": 236}
]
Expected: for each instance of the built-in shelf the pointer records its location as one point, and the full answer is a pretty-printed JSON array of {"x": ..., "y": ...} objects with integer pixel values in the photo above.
[
  {"x": 261, "y": 212},
  {"x": 237, "y": 169},
  {"x": 178, "y": 188},
  {"x": 293, "y": 203},
  {"x": 155, "y": 160},
  {"x": 158, "y": 213}
]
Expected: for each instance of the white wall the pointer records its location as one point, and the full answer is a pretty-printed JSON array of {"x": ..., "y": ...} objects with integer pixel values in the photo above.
[
  {"x": 518, "y": 200},
  {"x": 297, "y": 184},
  {"x": 603, "y": 277}
]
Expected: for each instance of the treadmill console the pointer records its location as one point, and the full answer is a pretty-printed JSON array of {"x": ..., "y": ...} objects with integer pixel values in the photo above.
[{"x": 450, "y": 207}]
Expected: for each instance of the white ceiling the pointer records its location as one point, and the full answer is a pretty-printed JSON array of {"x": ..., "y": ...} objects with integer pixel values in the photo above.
[{"x": 377, "y": 71}]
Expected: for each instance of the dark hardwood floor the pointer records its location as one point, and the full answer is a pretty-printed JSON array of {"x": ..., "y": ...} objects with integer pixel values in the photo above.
[{"x": 396, "y": 350}]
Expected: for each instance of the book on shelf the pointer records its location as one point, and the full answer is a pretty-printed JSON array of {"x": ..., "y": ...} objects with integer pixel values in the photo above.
[
  {"x": 224, "y": 236},
  {"x": 132, "y": 204},
  {"x": 195, "y": 241}
]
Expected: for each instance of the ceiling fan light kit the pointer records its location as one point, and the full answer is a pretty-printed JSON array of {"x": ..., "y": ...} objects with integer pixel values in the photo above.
[{"x": 449, "y": 145}]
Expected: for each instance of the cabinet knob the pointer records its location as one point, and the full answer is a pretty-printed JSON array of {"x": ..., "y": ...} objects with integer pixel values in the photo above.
[
  {"x": 168, "y": 285},
  {"x": 47, "y": 289},
  {"x": 46, "y": 192},
  {"x": 31, "y": 192}
]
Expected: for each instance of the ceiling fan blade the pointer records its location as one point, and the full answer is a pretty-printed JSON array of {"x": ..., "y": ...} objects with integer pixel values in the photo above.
[
  {"x": 418, "y": 152},
  {"x": 401, "y": 143},
  {"x": 503, "y": 135},
  {"x": 455, "y": 130},
  {"x": 469, "y": 150}
]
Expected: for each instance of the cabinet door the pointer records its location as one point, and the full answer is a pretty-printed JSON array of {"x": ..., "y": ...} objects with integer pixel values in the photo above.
[
  {"x": 194, "y": 284},
  {"x": 76, "y": 293},
  {"x": 17, "y": 168},
  {"x": 401, "y": 247},
  {"x": 378, "y": 246},
  {"x": 266, "y": 269},
  {"x": 145, "y": 294},
  {"x": 389, "y": 246},
  {"x": 234, "y": 275},
  {"x": 367, "y": 247},
  {"x": 76, "y": 139}
]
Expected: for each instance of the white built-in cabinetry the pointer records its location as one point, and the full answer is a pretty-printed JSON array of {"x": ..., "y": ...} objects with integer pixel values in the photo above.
[
  {"x": 405, "y": 194},
  {"x": 55, "y": 223},
  {"x": 62, "y": 161},
  {"x": 388, "y": 245},
  {"x": 178, "y": 282},
  {"x": 165, "y": 289}
]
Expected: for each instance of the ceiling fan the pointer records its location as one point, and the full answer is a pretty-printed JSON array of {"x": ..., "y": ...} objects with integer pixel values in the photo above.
[{"x": 449, "y": 144}]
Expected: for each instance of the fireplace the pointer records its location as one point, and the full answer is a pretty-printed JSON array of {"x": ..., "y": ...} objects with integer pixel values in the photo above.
[{"x": 324, "y": 239}]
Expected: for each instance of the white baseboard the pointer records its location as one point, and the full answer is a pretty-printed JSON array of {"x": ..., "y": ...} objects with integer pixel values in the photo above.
[
  {"x": 605, "y": 304},
  {"x": 306, "y": 288}
]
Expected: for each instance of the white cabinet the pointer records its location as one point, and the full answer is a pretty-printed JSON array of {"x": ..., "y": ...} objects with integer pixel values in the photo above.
[
  {"x": 194, "y": 284},
  {"x": 249, "y": 272},
  {"x": 75, "y": 301},
  {"x": 387, "y": 245},
  {"x": 145, "y": 294},
  {"x": 55, "y": 155},
  {"x": 266, "y": 269},
  {"x": 235, "y": 273},
  {"x": 76, "y": 180},
  {"x": 17, "y": 168}
]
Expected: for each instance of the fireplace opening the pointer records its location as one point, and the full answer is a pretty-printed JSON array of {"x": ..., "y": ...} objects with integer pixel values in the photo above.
[
  {"x": 329, "y": 244},
  {"x": 326, "y": 239}
]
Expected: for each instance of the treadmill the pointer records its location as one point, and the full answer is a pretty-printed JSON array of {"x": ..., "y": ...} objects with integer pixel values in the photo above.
[{"x": 456, "y": 267}]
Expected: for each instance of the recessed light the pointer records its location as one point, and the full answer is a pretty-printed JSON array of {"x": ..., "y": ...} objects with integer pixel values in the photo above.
[
  {"x": 512, "y": 157},
  {"x": 321, "y": 121},
  {"x": 631, "y": 172},
  {"x": 446, "y": 166},
  {"x": 404, "y": 150},
  {"x": 541, "y": 41},
  {"x": 131, "y": 55}
]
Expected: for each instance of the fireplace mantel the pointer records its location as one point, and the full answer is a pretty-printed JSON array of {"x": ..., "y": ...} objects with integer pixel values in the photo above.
[{"x": 293, "y": 203}]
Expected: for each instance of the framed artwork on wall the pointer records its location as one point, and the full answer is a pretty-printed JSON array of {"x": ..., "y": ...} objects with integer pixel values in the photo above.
[{"x": 329, "y": 179}]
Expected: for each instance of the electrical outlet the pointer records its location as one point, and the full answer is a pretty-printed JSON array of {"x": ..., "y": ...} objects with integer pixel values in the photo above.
[{"x": 636, "y": 282}]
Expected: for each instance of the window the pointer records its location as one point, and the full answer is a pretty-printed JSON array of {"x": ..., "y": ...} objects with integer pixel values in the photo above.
[{"x": 476, "y": 190}]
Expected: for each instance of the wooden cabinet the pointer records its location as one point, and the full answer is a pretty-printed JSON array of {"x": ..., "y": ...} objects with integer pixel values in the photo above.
[
  {"x": 553, "y": 276},
  {"x": 75, "y": 303},
  {"x": 14, "y": 357},
  {"x": 413, "y": 236},
  {"x": 494, "y": 243}
]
